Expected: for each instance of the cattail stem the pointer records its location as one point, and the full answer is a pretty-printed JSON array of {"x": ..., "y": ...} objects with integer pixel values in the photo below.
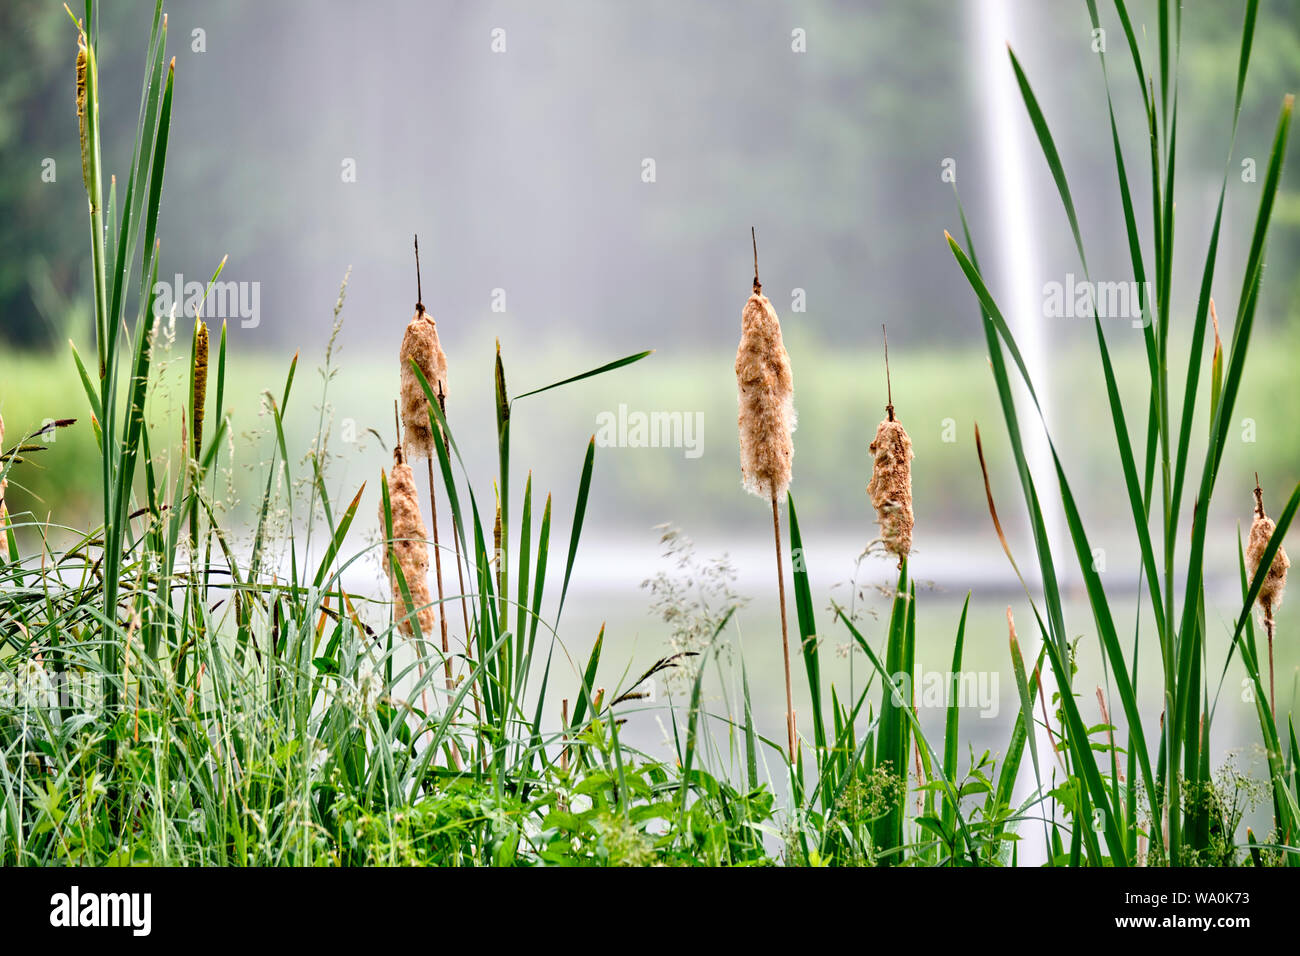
[
  {"x": 889, "y": 388},
  {"x": 785, "y": 634},
  {"x": 564, "y": 738},
  {"x": 408, "y": 549},
  {"x": 460, "y": 573},
  {"x": 464, "y": 610},
  {"x": 1268, "y": 628},
  {"x": 1268, "y": 609},
  {"x": 437, "y": 567},
  {"x": 419, "y": 292}
]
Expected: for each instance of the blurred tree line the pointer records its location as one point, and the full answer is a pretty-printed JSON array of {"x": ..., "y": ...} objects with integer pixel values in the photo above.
[{"x": 885, "y": 98}]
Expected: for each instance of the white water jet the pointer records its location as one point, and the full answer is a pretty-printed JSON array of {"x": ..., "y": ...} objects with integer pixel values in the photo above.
[{"x": 1013, "y": 271}]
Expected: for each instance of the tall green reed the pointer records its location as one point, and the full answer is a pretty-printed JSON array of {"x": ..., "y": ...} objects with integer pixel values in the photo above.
[{"x": 1173, "y": 767}]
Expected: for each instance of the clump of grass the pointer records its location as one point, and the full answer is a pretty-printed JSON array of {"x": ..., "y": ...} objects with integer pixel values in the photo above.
[
  {"x": 158, "y": 653},
  {"x": 695, "y": 600}
]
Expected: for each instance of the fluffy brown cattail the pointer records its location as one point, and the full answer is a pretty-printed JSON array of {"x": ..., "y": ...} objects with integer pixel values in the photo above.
[
  {"x": 1274, "y": 584},
  {"x": 1261, "y": 531},
  {"x": 420, "y": 343},
  {"x": 408, "y": 549},
  {"x": 766, "y": 387},
  {"x": 890, "y": 487},
  {"x": 766, "y": 423}
]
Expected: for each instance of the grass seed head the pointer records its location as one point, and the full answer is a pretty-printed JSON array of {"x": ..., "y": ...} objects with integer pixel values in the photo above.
[
  {"x": 408, "y": 549},
  {"x": 766, "y": 396},
  {"x": 890, "y": 487},
  {"x": 1261, "y": 531}
]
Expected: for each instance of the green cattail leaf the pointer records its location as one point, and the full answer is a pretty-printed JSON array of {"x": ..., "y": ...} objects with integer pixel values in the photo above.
[{"x": 608, "y": 367}]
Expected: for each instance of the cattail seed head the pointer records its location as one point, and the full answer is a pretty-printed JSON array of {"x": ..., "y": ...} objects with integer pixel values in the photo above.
[
  {"x": 83, "y": 62},
  {"x": 199, "y": 396},
  {"x": 890, "y": 487},
  {"x": 1261, "y": 532},
  {"x": 766, "y": 397},
  {"x": 420, "y": 343},
  {"x": 408, "y": 548}
]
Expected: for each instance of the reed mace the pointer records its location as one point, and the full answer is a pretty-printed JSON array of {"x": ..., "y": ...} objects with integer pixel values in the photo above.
[
  {"x": 766, "y": 422},
  {"x": 83, "y": 126},
  {"x": 420, "y": 345},
  {"x": 1274, "y": 584},
  {"x": 408, "y": 550},
  {"x": 890, "y": 488},
  {"x": 199, "y": 396}
]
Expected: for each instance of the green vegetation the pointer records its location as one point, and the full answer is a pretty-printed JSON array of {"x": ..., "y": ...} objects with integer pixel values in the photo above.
[
  {"x": 1179, "y": 751},
  {"x": 170, "y": 696}
]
